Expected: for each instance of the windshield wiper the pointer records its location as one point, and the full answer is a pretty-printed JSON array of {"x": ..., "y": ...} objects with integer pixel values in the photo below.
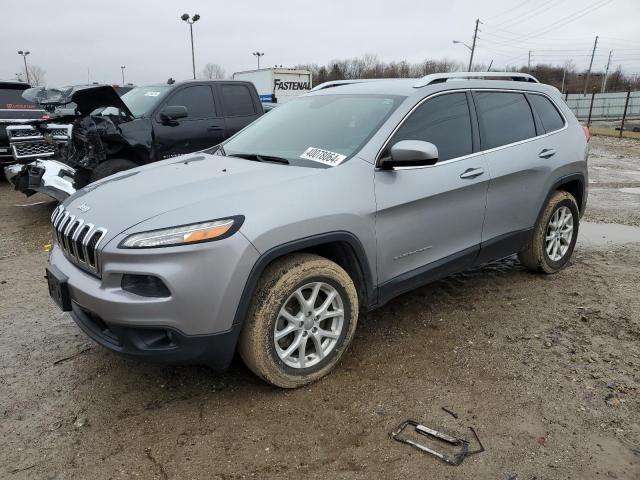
[{"x": 256, "y": 157}]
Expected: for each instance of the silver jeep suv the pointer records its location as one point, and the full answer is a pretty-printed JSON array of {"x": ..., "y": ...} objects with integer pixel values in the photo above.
[{"x": 271, "y": 243}]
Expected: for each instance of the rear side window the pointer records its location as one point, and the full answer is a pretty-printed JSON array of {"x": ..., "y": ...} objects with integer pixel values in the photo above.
[
  {"x": 444, "y": 121},
  {"x": 237, "y": 100},
  {"x": 504, "y": 117},
  {"x": 548, "y": 113},
  {"x": 197, "y": 99}
]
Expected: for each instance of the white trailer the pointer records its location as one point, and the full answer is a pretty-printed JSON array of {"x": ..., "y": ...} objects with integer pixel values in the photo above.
[{"x": 277, "y": 85}]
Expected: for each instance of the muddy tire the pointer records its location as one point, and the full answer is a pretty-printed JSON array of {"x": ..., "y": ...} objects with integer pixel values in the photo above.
[
  {"x": 302, "y": 318},
  {"x": 554, "y": 236},
  {"x": 109, "y": 167}
]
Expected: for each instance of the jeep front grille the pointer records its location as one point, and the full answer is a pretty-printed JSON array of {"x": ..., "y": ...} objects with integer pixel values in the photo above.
[
  {"x": 32, "y": 149},
  {"x": 78, "y": 239}
]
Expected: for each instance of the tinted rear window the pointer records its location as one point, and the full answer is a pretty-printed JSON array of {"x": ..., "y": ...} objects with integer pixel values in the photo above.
[
  {"x": 11, "y": 98},
  {"x": 197, "y": 99},
  {"x": 444, "y": 121},
  {"x": 505, "y": 118},
  {"x": 548, "y": 113},
  {"x": 237, "y": 100}
]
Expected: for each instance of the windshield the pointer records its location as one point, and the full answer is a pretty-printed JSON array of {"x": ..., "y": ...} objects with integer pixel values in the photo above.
[
  {"x": 315, "y": 130},
  {"x": 140, "y": 100}
]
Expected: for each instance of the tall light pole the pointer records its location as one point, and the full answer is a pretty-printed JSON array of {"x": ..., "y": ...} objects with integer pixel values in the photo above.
[
  {"x": 24, "y": 57},
  {"x": 258, "y": 54},
  {"x": 122, "y": 67},
  {"x": 470, "y": 49},
  {"x": 191, "y": 21}
]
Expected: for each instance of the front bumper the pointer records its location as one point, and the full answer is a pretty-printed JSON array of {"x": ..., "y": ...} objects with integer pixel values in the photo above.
[
  {"x": 194, "y": 324},
  {"x": 159, "y": 344},
  {"x": 50, "y": 177}
]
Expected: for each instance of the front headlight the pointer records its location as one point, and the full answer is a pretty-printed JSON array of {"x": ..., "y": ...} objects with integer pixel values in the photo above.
[{"x": 184, "y": 234}]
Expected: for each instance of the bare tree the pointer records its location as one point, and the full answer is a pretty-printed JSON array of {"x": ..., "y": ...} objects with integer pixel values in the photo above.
[
  {"x": 212, "y": 71},
  {"x": 37, "y": 75}
]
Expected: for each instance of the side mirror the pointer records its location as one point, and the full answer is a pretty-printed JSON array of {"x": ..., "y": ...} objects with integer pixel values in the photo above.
[
  {"x": 410, "y": 153},
  {"x": 173, "y": 112}
]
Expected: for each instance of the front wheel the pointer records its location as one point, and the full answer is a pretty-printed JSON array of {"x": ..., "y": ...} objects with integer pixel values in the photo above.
[
  {"x": 555, "y": 235},
  {"x": 302, "y": 318}
]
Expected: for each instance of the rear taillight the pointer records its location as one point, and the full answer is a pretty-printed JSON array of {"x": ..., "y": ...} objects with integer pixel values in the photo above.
[{"x": 587, "y": 133}]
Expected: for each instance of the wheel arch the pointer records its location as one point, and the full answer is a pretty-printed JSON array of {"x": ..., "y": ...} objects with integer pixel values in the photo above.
[
  {"x": 341, "y": 247},
  {"x": 574, "y": 184}
]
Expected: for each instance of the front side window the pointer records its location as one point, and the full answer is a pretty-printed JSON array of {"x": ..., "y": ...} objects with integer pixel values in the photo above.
[
  {"x": 310, "y": 129},
  {"x": 444, "y": 121},
  {"x": 505, "y": 118},
  {"x": 197, "y": 99},
  {"x": 548, "y": 113}
]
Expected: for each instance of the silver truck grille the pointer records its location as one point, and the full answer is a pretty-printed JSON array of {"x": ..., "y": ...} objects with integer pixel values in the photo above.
[
  {"x": 24, "y": 133},
  {"x": 32, "y": 149},
  {"x": 77, "y": 239},
  {"x": 27, "y": 132}
]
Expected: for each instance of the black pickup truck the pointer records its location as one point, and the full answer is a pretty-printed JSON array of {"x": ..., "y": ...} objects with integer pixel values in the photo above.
[
  {"x": 14, "y": 110},
  {"x": 149, "y": 123}
]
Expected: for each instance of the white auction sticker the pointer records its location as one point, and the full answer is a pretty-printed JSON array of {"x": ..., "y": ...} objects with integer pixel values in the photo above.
[
  {"x": 151, "y": 94},
  {"x": 323, "y": 156}
]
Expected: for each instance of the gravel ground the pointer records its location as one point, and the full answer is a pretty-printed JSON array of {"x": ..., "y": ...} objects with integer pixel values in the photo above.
[{"x": 546, "y": 368}]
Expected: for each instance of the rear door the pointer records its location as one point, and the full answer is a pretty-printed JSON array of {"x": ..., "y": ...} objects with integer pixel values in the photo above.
[
  {"x": 513, "y": 150},
  {"x": 202, "y": 128},
  {"x": 239, "y": 106},
  {"x": 429, "y": 219}
]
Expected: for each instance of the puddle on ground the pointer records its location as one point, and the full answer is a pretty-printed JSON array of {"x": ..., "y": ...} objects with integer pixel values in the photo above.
[
  {"x": 598, "y": 234},
  {"x": 635, "y": 190}
]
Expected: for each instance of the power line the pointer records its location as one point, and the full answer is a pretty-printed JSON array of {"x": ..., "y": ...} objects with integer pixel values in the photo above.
[
  {"x": 561, "y": 22},
  {"x": 509, "y": 10},
  {"x": 530, "y": 14}
]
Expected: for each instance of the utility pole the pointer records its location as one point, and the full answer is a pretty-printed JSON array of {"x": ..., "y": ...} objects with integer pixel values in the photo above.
[
  {"x": 606, "y": 72},
  {"x": 586, "y": 83},
  {"x": 529, "y": 63},
  {"x": 490, "y": 65},
  {"x": 473, "y": 45},
  {"x": 564, "y": 74},
  {"x": 122, "y": 67}
]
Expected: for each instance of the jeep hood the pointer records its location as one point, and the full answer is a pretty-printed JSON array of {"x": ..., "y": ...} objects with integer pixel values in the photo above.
[
  {"x": 86, "y": 98},
  {"x": 194, "y": 187}
]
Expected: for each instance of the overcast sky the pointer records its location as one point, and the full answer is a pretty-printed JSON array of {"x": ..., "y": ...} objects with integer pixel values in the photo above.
[{"x": 67, "y": 38}]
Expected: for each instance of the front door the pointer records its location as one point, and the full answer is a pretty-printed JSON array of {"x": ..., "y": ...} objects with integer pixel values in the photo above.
[
  {"x": 202, "y": 128},
  {"x": 429, "y": 219}
]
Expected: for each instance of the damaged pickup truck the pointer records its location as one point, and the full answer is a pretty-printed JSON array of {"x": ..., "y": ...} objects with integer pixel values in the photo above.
[{"x": 109, "y": 133}]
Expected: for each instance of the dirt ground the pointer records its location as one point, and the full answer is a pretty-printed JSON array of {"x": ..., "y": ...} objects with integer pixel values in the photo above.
[{"x": 546, "y": 368}]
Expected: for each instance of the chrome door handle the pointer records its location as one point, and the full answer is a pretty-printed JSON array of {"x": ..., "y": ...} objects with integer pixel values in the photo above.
[
  {"x": 471, "y": 173},
  {"x": 547, "y": 153}
]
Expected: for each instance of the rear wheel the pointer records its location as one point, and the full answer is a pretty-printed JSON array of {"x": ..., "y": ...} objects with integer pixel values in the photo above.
[
  {"x": 109, "y": 167},
  {"x": 302, "y": 319},
  {"x": 555, "y": 235}
]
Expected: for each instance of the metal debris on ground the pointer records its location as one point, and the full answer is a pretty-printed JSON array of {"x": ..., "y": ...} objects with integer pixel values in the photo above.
[
  {"x": 450, "y": 412},
  {"x": 30, "y": 204},
  {"x": 457, "y": 458}
]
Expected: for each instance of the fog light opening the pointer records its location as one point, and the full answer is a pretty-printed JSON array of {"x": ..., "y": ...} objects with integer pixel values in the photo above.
[{"x": 145, "y": 286}]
